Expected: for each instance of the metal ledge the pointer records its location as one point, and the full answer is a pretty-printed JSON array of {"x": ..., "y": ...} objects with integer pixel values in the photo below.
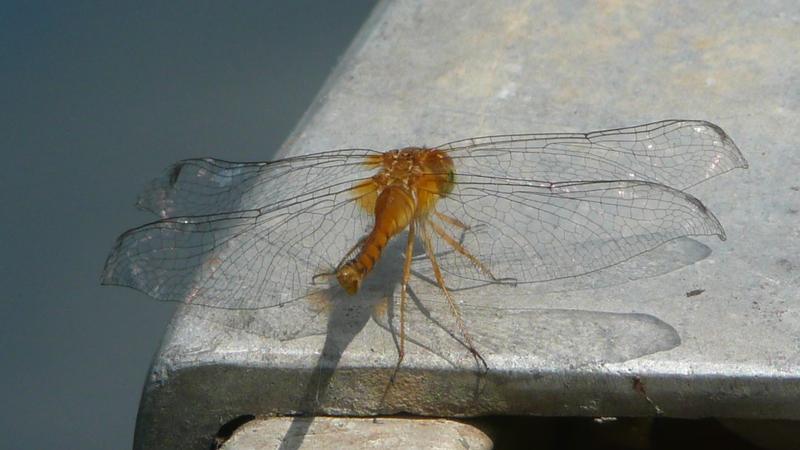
[{"x": 429, "y": 72}]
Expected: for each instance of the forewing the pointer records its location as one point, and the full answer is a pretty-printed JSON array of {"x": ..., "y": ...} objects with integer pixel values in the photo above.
[
  {"x": 250, "y": 259},
  {"x": 530, "y": 233},
  {"x": 676, "y": 153},
  {"x": 211, "y": 186}
]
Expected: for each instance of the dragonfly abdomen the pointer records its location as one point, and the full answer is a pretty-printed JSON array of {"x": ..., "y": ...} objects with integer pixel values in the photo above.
[{"x": 394, "y": 210}]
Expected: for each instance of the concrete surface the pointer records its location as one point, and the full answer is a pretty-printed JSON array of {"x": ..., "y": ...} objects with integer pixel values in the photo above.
[
  {"x": 431, "y": 72},
  {"x": 332, "y": 432}
]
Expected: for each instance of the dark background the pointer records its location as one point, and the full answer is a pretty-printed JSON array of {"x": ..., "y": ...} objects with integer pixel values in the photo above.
[{"x": 96, "y": 99}]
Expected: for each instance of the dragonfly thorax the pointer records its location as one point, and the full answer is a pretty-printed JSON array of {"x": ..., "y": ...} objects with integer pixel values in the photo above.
[{"x": 407, "y": 186}]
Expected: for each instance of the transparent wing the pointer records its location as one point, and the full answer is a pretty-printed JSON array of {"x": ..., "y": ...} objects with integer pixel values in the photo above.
[
  {"x": 676, "y": 153},
  {"x": 210, "y": 186},
  {"x": 533, "y": 233},
  {"x": 248, "y": 259},
  {"x": 253, "y": 235}
]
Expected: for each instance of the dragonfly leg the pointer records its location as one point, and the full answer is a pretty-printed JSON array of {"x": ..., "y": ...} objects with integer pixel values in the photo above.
[
  {"x": 426, "y": 239},
  {"x": 452, "y": 242},
  {"x": 451, "y": 220},
  {"x": 401, "y": 348},
  {"x": 404, "y": 291}
]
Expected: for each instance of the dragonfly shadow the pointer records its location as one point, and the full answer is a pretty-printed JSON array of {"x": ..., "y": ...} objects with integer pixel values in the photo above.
[
  {"x": 544, "y": 337},
  {"x": 347, "y": 315},
  {"x": 327, "y": 311},
  {"x": 558, "y": 336}
]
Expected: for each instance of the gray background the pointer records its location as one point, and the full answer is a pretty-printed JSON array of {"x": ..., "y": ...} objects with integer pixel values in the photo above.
[{"x": 96, "y": 100}]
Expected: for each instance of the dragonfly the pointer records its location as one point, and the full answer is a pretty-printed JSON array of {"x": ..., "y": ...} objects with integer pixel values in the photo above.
[{"x": 505, "y": 209}]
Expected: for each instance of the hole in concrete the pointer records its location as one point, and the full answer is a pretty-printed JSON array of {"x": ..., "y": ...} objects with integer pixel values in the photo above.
[{"x": 228, "y": 428}]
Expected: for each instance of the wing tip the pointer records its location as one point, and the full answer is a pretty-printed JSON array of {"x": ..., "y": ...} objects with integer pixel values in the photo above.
[
  {"x": 738, "y": 159},
  {"x": 716, "y": 228}
]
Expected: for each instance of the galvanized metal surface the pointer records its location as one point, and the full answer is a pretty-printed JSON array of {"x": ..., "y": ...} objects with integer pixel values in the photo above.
[{"x": 430, "y": 72}]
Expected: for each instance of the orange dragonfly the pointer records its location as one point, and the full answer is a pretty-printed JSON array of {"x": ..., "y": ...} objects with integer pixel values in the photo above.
[{"x": 507, "y": 209}]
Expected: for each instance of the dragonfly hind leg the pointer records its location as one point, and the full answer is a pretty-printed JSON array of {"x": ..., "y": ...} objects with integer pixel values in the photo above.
[
  {"x": 404, "y": 291},
  {"x": 468, "y": 343},
  {"x": 401, "y": 347}
]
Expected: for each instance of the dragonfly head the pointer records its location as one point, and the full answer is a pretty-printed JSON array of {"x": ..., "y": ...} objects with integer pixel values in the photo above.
[{"x": 350, "y": 277}]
